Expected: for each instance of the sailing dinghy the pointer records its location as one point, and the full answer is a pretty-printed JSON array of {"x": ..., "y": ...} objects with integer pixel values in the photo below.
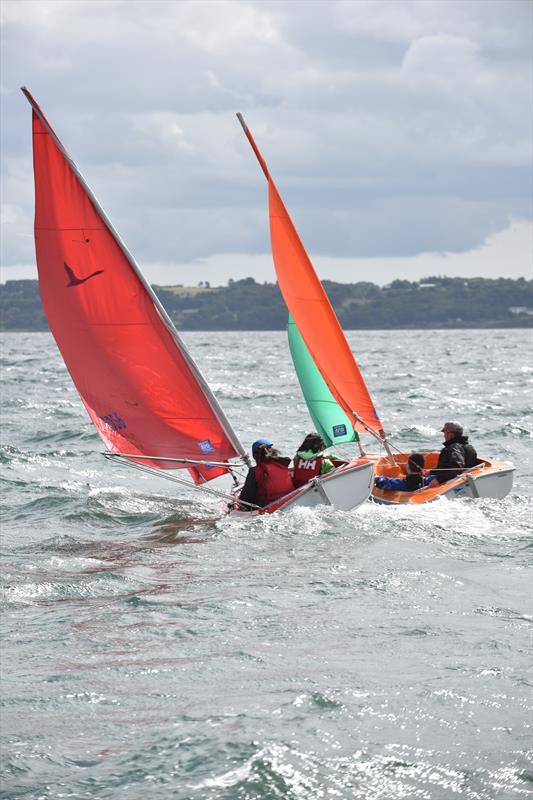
[
  {"x": 139, "y": 384},
  {"x": 334, "y": 389}
]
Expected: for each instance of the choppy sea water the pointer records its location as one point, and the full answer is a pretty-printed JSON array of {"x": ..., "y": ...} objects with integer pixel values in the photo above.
[{"x": 154, "y": 649}]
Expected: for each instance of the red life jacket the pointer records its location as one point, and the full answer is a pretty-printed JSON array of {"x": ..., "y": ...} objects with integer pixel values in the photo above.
[
  {"x": 305, "y": 469},
  {"x": 273, "y": 481}
]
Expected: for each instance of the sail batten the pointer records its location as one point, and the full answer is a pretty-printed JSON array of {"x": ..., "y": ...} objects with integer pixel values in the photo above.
[{"x": 137, "y": 380}]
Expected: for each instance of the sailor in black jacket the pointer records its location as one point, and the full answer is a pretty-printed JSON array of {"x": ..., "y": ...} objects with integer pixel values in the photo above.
[{"x": 456, "y": 455}]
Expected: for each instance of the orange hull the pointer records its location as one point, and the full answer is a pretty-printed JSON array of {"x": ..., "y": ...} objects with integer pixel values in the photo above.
[{"x": 488, "y": 479}]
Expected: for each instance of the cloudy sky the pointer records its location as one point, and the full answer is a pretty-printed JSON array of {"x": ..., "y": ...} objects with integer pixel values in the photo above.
[{"x": 399, "y": 132}]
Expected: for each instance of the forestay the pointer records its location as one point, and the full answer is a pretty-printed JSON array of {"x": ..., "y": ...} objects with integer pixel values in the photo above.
[{"x": 140, "y": 386}]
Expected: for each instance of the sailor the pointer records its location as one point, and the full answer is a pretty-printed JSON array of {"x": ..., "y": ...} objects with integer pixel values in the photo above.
[
  {"x": 411, "y": 482},
  {"x": 270, "y": 479},
  {"x": 456, "y": 455},
  {"x": 310, "y": 459}
]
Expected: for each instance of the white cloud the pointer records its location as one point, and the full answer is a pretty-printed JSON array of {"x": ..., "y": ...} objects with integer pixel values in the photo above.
[
  {"x": 223, "y": 25},
  {"x": 9, "y": 214},
  {"x": 500, "y": 22},
  {"x": 446, "y": 58}
]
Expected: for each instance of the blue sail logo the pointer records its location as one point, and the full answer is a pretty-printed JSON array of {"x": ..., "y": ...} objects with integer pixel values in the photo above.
[
  {"x": 206, "y": 446},
  {"x": 339, "y": 430},
  {"x": 114, "y": 421}
]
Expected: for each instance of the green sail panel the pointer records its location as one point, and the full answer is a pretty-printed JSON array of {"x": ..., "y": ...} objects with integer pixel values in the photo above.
[{"x": 328, "y": 417}]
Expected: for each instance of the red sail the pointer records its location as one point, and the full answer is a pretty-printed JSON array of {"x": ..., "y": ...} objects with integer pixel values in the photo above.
[{"x": 139, "y": 385}]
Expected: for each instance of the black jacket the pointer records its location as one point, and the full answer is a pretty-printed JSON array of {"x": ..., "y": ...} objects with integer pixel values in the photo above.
[{"x": 456, "y": 456}]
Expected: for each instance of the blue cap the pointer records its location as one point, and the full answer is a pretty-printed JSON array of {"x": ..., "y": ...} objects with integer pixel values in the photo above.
[{"x": 259, "y": 442}]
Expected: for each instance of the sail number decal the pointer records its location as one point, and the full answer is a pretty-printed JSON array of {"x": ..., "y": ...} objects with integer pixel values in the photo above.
[
  {"x": 114, "y": 421},
  {"x": 339, "y": 430},
  {"x": 206, "y": 446}
]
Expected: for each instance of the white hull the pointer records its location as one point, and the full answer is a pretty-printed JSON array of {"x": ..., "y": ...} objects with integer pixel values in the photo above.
[
  {"x": 345, "y": 489},
  {"x": 489, "y": 484}
]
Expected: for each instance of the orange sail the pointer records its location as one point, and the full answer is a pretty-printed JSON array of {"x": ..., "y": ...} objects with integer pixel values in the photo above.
[
  {"x": 313, "y": 314},
  {"x": 140, "y": 386},
  {"x": 315, "y": 318}
]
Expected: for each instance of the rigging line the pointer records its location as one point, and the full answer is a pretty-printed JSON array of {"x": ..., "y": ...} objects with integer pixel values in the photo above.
[
  {"x": 395, "y": 447},
  {"x": 371, "y": 431},
  {"x": 381, "y": 439},
  {"x": 180, "y": 481},
  {"x": 175, "y": 460},
  {"x": 456, "y": 469},
  {"x": 343, "y": 453}
]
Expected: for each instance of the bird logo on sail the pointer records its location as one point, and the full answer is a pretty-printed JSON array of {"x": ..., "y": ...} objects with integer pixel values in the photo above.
[{"x": 74, "y": 280}]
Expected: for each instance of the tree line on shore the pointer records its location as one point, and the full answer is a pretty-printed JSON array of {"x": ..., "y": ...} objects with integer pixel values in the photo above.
[{"x": 247, "y": 305}]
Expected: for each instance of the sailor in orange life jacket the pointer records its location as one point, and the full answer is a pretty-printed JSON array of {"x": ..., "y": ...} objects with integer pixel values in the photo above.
[
  {"x": 270, "y": 479},
  {"x": 310, "y": 460}
]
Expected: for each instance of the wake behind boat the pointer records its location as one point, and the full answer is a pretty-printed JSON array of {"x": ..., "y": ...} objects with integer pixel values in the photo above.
[
  {"x": 140, "y": 386},
  {"x": 335, "y": 391}
]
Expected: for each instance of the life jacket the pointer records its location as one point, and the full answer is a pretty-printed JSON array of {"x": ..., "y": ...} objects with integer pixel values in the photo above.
[
  {"x": 306, "y": 468},
  {"x": 273, "y": 481}
]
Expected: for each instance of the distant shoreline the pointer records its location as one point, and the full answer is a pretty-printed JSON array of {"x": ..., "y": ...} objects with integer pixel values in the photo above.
[
  {"x": 435, "y": 303},
  {"x": 525, "y": 327}
]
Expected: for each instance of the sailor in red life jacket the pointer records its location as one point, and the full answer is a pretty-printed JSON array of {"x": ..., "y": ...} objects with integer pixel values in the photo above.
[
  {"x": 270, "y": 479},
  {"x": 310, "y": 460}
]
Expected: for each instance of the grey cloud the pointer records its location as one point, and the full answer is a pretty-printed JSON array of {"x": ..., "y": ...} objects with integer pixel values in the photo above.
[{"x": 390, "y": 128}]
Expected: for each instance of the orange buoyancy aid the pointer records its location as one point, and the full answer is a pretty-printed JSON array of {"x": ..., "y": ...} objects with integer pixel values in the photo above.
[
  {"x": 273, "y": 481},
  {"x": 306, "y": 468}
]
